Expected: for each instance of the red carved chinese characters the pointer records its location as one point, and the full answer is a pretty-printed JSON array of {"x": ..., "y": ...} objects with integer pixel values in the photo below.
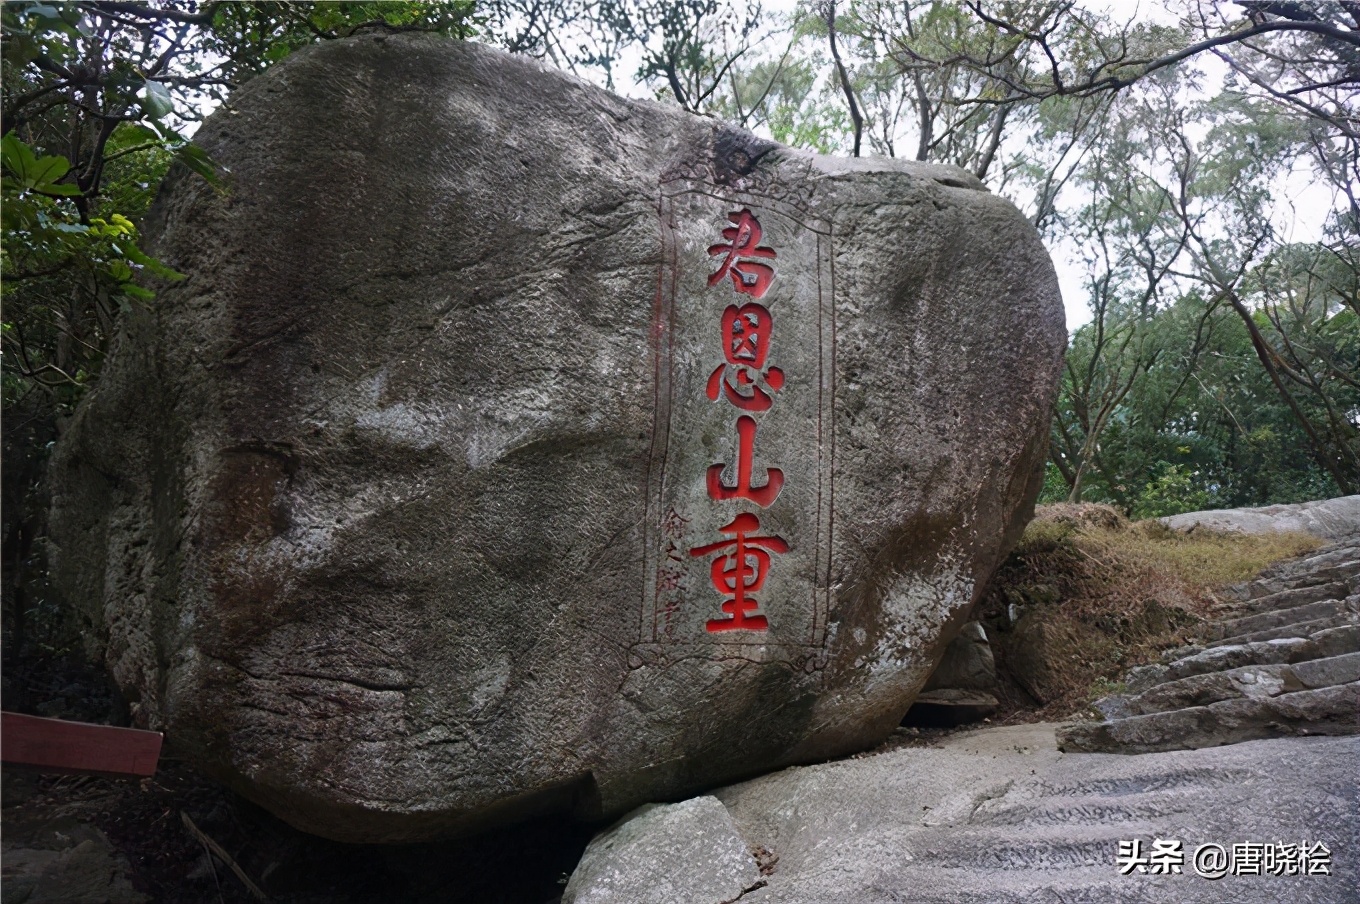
[
  {"x": 743, "y": 488},
  {"x": 746, "y": 382},
  {"x": 740, "y": 571},
  {"x": 746, "y": 332},
  {"x": 750, "y": 277}
]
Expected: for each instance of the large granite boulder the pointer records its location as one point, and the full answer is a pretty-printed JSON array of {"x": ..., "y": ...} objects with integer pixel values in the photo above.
[{"x": 511, "y": 447}]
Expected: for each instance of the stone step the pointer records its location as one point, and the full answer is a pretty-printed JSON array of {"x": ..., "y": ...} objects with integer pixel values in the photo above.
[
  {"x": 1325, "y": 711},
  {"x": 1287, "y": 663},
  {"x": 1337, "y": 562},
  {"x": 1323, "y": 644},
  {"x": 1274, "y": 618},
  {"x": 1326, "y": 556},
  {"x": 1298, "y": 629},
  {"x": 1246, "y": 681},
  {"x": 1299, "y": 596},
  {"x": 1169, "y": 656},
  {"x": 1343, "y": 572}
]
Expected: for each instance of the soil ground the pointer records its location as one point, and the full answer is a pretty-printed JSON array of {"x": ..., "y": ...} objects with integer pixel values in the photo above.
[{"x": 166, "y": 863}]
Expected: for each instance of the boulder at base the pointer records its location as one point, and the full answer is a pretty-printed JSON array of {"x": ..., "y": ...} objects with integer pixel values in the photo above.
[{"x": 513, "y": 448}]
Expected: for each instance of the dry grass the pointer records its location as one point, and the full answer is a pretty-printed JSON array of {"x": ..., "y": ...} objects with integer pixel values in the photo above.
[
  {"x": 1209, "y": 559},
  {"x": 1086, "y": 595}
]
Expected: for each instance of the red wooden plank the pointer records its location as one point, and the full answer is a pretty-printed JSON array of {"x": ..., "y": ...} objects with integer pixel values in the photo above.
[{"x": 53, "y": 745}]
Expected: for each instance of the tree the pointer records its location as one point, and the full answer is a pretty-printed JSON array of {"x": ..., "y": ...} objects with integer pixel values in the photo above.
[
  {"x": 1103, "y": 133},
  {"x": 687, "y": 48},
  {"x": 98, "y": 101}
]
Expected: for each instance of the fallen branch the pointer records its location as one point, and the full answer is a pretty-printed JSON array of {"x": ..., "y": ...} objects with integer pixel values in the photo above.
[{"x": 222, "y": 855}]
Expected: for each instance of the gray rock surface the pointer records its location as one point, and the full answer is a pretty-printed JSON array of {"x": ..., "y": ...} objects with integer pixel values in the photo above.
[
  {"x": 690, "y": 851},
  {"x": 1331, "y": 519},
  {"x": 1000, "y": 815},
  {"x": 1323, "y": 711},
  {"x": 1322, "y": 645},
  {"x": 398, "y": 513},
  {"x": 1261, "y": 621},
  {"x": 958, "y": 690},
  {"x": 1034, "y": 648},
  {"x": 86, "y": 870},
  {"x": 1248, "y": 681},
  {"x": 968, "y": 662}
]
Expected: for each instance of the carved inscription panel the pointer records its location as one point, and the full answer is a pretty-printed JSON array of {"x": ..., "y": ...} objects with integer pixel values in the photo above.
[{"x": 740, "y": 497}]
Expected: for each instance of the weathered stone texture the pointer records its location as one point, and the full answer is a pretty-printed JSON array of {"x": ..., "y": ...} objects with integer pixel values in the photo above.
[
  {"x": 690, "y": 851},
  {"x": 967, "y": 662},
  {"x": 373, "y": 512}
]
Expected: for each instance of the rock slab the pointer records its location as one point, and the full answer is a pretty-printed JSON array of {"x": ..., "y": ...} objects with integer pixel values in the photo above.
[
  {"x": 514, "y": 448},
  {"x": 967, "y": 664},
  {"x": 1331, "y": 519},
  {"x": 88, "y": 870}
]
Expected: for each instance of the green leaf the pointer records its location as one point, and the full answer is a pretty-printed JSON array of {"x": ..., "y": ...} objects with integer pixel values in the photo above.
[
  {"x": 166, "y": 132},
  {"x": 35, "y": 173},
  {"x": 156, "y": 100},
  {"x": 134, "y": 133},
  {"x": 16, "y": 156},
  {"x": 21, "y": 49},
  {"x": 120, "y": 226},
  {"x": 196, "y": 159},
  {"x": 138, "y": 256},
  {"x": 46, "y": 170}
]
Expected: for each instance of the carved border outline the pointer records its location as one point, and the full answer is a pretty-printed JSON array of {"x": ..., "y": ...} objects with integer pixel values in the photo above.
[{"x": 649, "y": 649}]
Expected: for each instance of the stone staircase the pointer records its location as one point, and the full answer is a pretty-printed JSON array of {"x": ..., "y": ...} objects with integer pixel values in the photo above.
[{"x": 1286, "y": 663}]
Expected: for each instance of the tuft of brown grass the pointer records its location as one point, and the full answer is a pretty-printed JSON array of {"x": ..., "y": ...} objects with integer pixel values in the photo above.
[
  {"x": 1086, "y": 595},
  {"x": 1081, "y": 514}
]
